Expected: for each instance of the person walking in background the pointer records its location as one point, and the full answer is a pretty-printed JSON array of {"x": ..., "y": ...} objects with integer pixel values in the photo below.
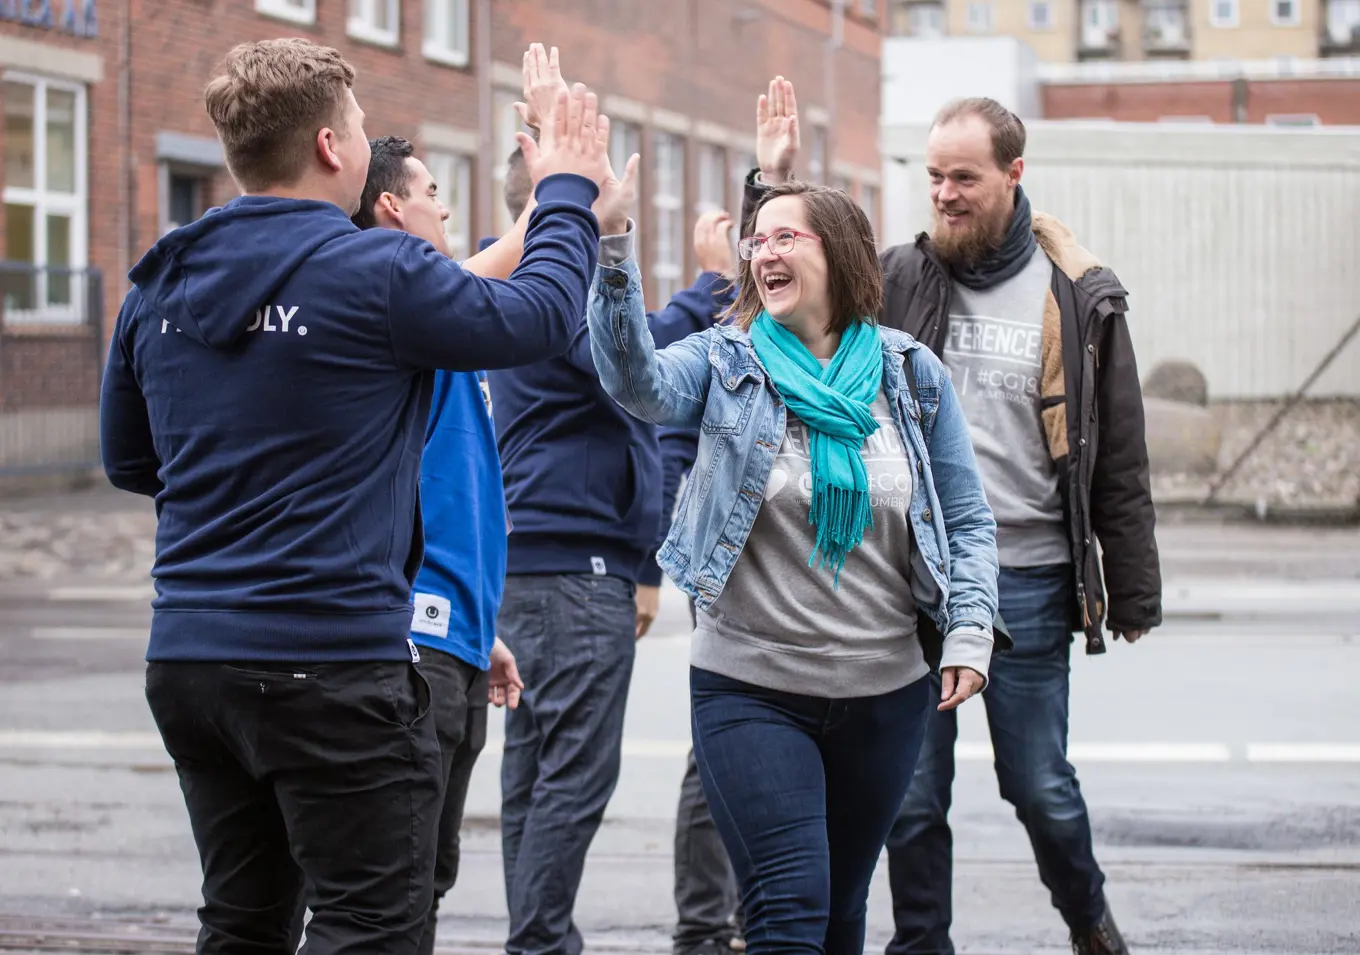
[
  {"x": 830, "y": 509},
  {"x": 583, "y": 483},
  {"x": 267, "y": 383}
]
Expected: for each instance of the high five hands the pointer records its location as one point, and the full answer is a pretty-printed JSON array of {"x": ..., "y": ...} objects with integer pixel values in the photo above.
[{"x": 573, "y": 135}]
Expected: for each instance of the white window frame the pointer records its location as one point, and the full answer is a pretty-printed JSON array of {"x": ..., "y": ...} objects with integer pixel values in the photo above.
[
  {"x": 1293, "y": 119},
  {"x": 294, "y": 11},
  {"x": 625, "y": 139},
  {"x": 981, "y": 17},
  {"x": 740, "y": 167},
  {"x": 668, "y": 209},
  {"x": 927, "y": 20},
  {"x": 869, "y": 201},
  {"x": 1342, "y": 19},
  {"x": 452, "y": 172},
  {"x": 1295, "y": 17},
  {"x": 711, "y": 181},
  {"x": 362, "y": 25},
  {"x": 73, "y": 205},
  {"x": 1224, "y": 23},
  {"x": 817, "y": 155},
  {"x": 440, "y": 17},
  {"x": 1033, "y": 20},
  {"x": 505, "y": 123}
]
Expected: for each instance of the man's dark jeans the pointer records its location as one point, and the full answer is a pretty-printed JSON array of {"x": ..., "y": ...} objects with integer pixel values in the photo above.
[
  {"x": 1027, "y": 708},
  {"x": 460, "y": 710},
  {"x": 574, "y": 639},
  {"x": 323, "y": 773},
  {"x": 804, "y": 791}
]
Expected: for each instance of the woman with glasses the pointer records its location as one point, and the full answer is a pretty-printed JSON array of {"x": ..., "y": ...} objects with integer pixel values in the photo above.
[{"x": 828, "y": 511}]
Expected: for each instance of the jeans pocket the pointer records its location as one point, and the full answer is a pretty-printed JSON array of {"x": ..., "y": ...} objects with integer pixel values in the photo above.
[{"x": 408, "y": 695}]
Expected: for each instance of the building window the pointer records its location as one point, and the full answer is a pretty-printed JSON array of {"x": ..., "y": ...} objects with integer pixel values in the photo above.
[
  {"x": 1040, "y": 15},
  {"x": 45, "y": 200},
  {"x": 712, "y": 162},
  {"x": 668, "y": 203},
  {"x": 1284, "y": 13},
  {"x": 869, "y": 8},
  {"x": 980, "y": 17},
  {"x": 1223, "y": 13},
  {"x": 925, "y": 20},
  {"x": 453, "y": 181},
  {"x": 295, "y": 11},
  {"x": 376, "y": 21},
  {"x": 1099, "y": 21},
  {"x": 1343, "y": 21},
  {"x": 844, "y": 184},
  {"x": 505, "y": 123},
  {"x": 817, "y": 155},
  {"x": 446, "y": 32},
  {"x": 868, "y": 200},
  {"x": 187, "y": 195}
]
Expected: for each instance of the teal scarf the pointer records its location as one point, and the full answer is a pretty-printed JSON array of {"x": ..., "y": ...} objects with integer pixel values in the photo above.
[{"x": 834, "y": 402}]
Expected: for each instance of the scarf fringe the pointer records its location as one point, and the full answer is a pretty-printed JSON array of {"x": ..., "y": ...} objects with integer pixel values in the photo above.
[{"x": 841, "y": 516}]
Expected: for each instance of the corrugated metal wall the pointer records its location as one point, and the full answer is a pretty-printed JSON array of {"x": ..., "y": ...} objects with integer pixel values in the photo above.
[{"x": 1240, "y": 246}]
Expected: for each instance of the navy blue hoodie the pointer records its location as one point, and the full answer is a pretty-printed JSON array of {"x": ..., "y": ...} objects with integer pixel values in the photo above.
[
  {"x": 583, "y": 478},
  {"x": 269, "y": 383}
]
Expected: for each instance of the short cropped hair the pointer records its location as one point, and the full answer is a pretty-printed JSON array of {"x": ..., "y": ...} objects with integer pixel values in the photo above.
[
  {"x": 518, "y": 185},
  {"x": 387, "y": 172},
  {"x": 1008, "y": 132},
  {"x": 854, "y": 277},
  {"x": 269, "y": 102}
]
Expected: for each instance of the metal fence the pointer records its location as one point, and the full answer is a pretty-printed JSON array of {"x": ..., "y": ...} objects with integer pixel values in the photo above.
[
  {"x": 1238, "y": 244},
  {"x": 51, "y": 360}
]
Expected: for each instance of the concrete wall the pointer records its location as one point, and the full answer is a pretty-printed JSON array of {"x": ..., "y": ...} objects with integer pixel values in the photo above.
[{"x": 1238, "y": 244}]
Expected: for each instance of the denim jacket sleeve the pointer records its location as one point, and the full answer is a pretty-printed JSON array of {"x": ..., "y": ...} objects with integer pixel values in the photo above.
[
  {"x": 667, "y": 387},
  {"x": 970, "y": 529}
]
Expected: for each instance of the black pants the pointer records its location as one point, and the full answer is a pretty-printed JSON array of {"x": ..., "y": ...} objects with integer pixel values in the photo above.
[
  {"x": 325, "y": 774},
  {"x": 460, "y": 710}
]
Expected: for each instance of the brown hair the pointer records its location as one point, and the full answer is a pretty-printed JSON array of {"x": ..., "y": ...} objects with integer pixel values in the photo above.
[
  {"x": 268, "y": 104},
  {"x": 854, "y": 277},
  {"x": 1008, "y": 133}
]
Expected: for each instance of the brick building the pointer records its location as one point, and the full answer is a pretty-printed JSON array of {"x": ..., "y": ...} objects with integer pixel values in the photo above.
[{"x": 107, "y": 145}]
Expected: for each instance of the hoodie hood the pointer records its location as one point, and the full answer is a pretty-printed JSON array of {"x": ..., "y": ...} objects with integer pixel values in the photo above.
[{"x": 209, "y": 277}]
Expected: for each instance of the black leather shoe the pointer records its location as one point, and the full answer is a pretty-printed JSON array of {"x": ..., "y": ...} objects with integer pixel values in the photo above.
[{"x": 1103, "y": 938}]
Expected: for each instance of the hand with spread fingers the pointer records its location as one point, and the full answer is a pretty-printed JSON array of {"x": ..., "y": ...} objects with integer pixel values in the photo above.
[
  {"x": 958, "y": 684},
  {"x": 777, "y": 132},
  {"x": 574, "y": 139},
  {"x": 542, "y": 84},
  {"x": 618, "y": 196}
]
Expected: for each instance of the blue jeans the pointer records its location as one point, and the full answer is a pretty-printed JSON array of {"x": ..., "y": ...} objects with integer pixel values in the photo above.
[
  {"x": 804, "y": 791},
  {"x": 1026, "y": 702},
  {"x": 574, "y": 639}
]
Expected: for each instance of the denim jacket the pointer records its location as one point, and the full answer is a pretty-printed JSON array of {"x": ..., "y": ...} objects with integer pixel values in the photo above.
[{"x": 714, "y": 382}]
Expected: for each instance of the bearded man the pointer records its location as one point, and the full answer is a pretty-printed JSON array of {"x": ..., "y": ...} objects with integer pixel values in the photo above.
[{"x": 1033, "y": 330}]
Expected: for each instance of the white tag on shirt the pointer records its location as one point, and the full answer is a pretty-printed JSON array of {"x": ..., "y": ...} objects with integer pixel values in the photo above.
[
  {"x": 415, "y": 654},
  {"x": 597, "y": 565},
  {"x": 432, "y": 615}
]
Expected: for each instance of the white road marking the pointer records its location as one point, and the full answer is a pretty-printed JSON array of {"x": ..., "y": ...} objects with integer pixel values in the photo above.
[
  {"x": 1303, "y": 753},
  {"x": 90, "y": 633},
  {"x": 126, "y": 593},
  {"x": 76, "y": 739}
]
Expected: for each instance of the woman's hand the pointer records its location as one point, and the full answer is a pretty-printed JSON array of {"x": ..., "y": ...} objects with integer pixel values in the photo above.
[{"x": 957, "y": 684}]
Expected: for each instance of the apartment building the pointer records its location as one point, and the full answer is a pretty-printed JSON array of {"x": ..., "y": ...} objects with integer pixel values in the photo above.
[
  {"x": 107, "y": 145},
  {"x": 1061, "y": 31}
]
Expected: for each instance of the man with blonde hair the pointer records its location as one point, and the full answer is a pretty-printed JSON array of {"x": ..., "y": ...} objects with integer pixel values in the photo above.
[{"x": 268, "y": 383}]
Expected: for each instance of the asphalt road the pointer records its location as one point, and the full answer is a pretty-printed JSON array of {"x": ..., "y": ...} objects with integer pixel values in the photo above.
[{"x": 1220, "y": 759}]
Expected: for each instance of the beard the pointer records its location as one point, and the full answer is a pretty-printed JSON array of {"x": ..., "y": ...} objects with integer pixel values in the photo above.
[{"x": 969, "y": 246}]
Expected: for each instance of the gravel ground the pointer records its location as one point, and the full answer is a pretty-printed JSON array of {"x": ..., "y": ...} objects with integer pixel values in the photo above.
[{"x": 1311, "y": 459}]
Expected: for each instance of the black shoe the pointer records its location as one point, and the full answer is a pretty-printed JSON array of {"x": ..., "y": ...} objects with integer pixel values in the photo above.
[{"x": 1103, "y": 938}]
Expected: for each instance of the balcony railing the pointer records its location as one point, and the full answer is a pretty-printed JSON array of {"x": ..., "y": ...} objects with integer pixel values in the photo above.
[
  {"x": 1166, "y": 28},
  {"x": 50, "y": 295}
]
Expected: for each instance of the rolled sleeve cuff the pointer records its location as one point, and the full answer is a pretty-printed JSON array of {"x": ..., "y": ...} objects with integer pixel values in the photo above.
[
  {"x": 617, "y": 249},
  {"x": 971, "y": 647}
]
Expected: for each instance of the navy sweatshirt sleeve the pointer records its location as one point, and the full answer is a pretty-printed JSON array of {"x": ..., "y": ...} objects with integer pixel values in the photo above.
[
  {"x": 125, "y": 441},
  {"x": 444, "y": 317}
]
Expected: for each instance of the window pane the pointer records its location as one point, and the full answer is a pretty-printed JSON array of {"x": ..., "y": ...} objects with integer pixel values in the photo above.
[
  {"x": 385, "y": 15},
  {"x": 58, "y": 259},
  {"x": 19, "y": 242},
  {"x": 61, "y": 141},
  {"x": 19, "y": 111},
  {"x": 184, "y": 200},
  {"x": 712, "y": 172},
  {"x": 668, "y": 200},
  {"x": 455, "y": 35}
]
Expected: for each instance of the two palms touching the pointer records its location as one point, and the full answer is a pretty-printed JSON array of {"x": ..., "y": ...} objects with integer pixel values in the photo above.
[{"x": 544, "y": 93}]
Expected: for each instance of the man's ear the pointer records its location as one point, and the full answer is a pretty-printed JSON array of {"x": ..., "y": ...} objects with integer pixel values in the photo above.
[
  {"x": 1016, "y": 171},
  {"x": 387, "y": 210},
  {"x": 325, "y": 147}
]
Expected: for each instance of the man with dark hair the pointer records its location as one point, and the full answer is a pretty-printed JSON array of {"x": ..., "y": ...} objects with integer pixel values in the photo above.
[
  {"x": 268, "y": 381},
  {"x": 583, "y": 482},
  {"x": 1035, "y": 333}
]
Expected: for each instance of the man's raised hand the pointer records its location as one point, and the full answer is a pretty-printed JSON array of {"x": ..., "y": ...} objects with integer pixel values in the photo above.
[
  {"x": 777, "y": 132},
  {"x": 542, "y": 84},
  {"x": 574, "y": 139}
]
